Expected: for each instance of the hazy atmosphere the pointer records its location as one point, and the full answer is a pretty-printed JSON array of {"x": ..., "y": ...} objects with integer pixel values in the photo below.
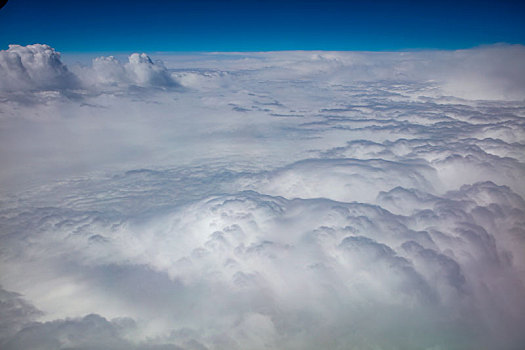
[{"x": 286, "y": 197}]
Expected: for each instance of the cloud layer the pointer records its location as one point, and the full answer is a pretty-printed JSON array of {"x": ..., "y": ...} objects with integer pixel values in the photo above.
[{"x": 291, "y": 200}]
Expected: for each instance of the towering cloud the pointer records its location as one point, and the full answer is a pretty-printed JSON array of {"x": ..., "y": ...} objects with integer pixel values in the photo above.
[
  {"x": 33, "y": 67},
  {"x": 39, "y": 67},
  {"x": 140, "y": 71}
]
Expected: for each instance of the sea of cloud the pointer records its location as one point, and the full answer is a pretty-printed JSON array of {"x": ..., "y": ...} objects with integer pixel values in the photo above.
[{"x": 276, "y": 200}]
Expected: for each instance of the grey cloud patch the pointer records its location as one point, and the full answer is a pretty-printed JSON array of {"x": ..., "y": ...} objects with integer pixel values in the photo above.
[
  {"x": 296, "y": 200},
  {"x": 16, "y": 312},
  {"x": 90, "y": 332}
]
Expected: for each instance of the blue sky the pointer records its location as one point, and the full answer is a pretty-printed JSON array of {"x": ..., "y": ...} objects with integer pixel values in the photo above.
[{"x": 203, "y": 25}]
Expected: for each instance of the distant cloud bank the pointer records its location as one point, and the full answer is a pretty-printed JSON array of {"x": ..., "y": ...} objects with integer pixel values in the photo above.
[{"x": 492, "y": 72}]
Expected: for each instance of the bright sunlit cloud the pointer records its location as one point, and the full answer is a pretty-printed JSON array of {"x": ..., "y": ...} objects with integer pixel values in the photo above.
[{"x": 277, "y": 200}]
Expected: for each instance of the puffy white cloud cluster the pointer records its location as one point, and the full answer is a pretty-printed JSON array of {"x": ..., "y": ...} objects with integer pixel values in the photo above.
[
  {"x": 252, "y": 270},
  {"x": 40, "y": 68},
  {"x": 33, "y": 67},
  {"x": 140, "y": 70},
  {"x": 286, "y": 201}
]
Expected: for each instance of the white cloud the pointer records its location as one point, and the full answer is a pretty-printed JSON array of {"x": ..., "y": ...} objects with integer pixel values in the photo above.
[
  {"x": 297, "y": 200},
  {"x": 39, "y": 68},
  {"x": 140, "y": 70},
  {"x": 33, "y": 67}
]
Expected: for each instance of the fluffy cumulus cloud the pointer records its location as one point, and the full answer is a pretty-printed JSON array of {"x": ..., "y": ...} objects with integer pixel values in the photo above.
[
  {"x": 290, "y": 200},
  {"x": 33, "y": 67},
  {"x": 40, "y": 68},
  {"x": 140, "y": 70}
]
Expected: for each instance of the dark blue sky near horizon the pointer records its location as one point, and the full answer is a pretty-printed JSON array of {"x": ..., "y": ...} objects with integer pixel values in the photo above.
[{"x": 256, "y": 25}]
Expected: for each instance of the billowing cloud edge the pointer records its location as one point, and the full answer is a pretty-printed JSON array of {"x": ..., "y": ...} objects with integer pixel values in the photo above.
[{"x": 39, "y": 67}]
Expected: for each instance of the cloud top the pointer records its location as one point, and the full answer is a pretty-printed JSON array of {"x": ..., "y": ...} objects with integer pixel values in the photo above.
[
  {"x": 140, "y": 70},
  {"x": 39, "y": 68},
  {"x": 34, "y": 67}
]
